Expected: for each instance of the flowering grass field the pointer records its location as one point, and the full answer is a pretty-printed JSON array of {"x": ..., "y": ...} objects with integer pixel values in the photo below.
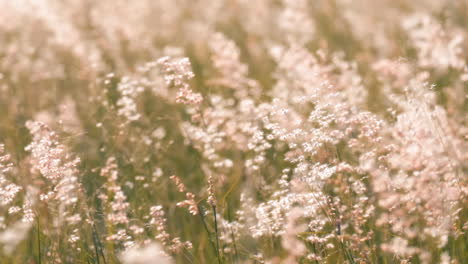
[{"x": 233, "y": 131}]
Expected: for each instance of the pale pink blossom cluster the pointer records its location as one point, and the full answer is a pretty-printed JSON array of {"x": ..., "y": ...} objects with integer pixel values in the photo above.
[
  {"x": 190, "y": 202},
  {"x": 49, "y": 157},
  {"x": 8, "y": 190},
  {"x": 232, "y": 72},
  {"x": 177, "y": 72},
  {"x": 53, "y": 161}
]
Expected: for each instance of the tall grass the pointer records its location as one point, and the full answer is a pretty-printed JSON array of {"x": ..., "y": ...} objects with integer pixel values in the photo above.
[{"x": 233, "y": 131}]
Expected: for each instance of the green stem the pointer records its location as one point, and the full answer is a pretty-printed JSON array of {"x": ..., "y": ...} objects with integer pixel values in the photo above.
[
  {"x": 39, "y": 261},
  {"x": 216, "y": 231}
]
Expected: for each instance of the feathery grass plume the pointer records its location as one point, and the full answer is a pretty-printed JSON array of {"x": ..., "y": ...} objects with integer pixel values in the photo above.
[
  {"x": 8, "y": 190},
  {"x": 158, "y": 220},
  {"x": 177, "y": 73},
  {"x": 115, "y": 205},
  {"x": 190, "y": 202}
]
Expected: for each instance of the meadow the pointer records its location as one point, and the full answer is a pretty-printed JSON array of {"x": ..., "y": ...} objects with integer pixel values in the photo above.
[{"x": 233, "y": 131}]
